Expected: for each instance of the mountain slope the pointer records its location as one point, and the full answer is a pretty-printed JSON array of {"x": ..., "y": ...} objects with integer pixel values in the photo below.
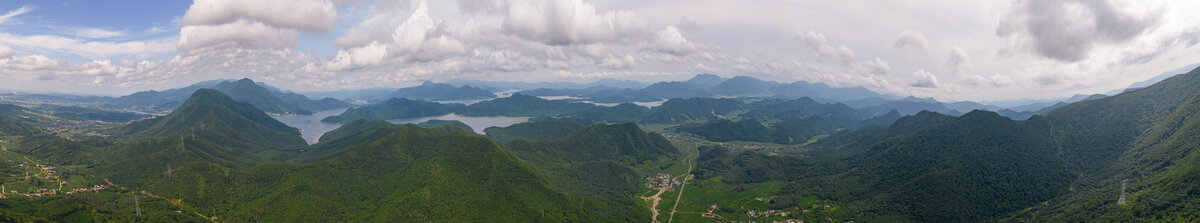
[
  {"x": 442, "y": 92},
  {"x": 524, "y": 105},
  {"x": 245, "y": 90},
  {"x": 212, "y": 115},
  {"x": 407, "y": 174},
  {"x": 395, "y": 108}
]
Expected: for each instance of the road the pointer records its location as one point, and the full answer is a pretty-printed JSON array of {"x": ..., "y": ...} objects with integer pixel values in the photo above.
[{"x": 686, "y": 177}]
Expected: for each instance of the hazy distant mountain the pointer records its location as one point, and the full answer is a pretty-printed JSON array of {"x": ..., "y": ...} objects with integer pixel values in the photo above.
[
  {"x": 801, "y": 89},
  {"x": 706, "y": 80},
  {"x": 970, "y": 105},
  {"x": 395, "y": 108},
  {"x": 743, "y": 86},
  {"x": 657, "y": 92},
  {"x": 525, "y": 106},
  {"x": 442, "y": 92},
  {"x": 247, "y": 90},
  {"x": 912, "y": 105},
  {"x": 508, "y": 85},
  {"x": 215, "y": 116},
  {"x": 574, "y": 92}
]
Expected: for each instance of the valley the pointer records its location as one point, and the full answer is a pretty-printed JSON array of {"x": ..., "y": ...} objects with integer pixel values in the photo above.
[{"x": 741, "y": 159}]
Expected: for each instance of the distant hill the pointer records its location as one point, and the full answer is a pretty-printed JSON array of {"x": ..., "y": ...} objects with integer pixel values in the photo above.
[
  {"x": 743, "y": 86},
  {"x": 526, "y": 106},
  {"x": 706, "y": 80},
  {"x": 246, "y": 90},
  {"x": 912, "y": 105},
  {"x": 656, "y": 92},
  {"x": 396, "y": 108},
  {"x": 537, "y": 131},
  {"x": 215, "y": 116},
  {"x": 625, "y": 143},
  {"x": 442, "y": 92},
  {"x": 692, "y": 109},
  {"x": 10, "y": 126},
  {"x": 622, "y": 113},
  {"x": 242, "y": 90},
  {"x": 510, "y": 85},
  {"x": 801, "y": 89}
]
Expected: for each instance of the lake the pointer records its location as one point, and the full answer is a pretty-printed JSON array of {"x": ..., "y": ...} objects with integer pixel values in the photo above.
[
  {"x": 477, "y": 123},
  {"x": 311, "y": 127}
]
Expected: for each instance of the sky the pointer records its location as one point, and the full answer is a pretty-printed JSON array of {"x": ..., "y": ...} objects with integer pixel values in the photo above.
[{"x": 953, "y": 50}]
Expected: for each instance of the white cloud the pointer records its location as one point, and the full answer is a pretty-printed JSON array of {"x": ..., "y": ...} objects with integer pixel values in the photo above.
[
  {"x": 821, "y": 48},
  {"x": 241, "y": 33},
  {"x": 97, "y": 33},
  {"x": 357, "y": 37},
  {"x": 369, "y": 55},
  {"x": 1068, "y": 30},
  {"x": 6, "y": 52},
  {"x": 565, "y": 22},
  {"x": 876, "y": 67},
  {"x": 417, "y": 39},
  {"x": 4, "y": 19},
  {"x": 672, "y": 42},
  {"x": 91, "y": 49},
  {"x": 911, "y": 42},
  {"x": 924, "y": 80},
  {"x": 309, "y": 15},
  {"x": 959, "y": 62}
]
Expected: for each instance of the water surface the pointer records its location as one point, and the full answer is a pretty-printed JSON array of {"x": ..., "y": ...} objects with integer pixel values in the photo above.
[
  {"x": 477, "y": 123},
  {"x": 311, "y": 127}
]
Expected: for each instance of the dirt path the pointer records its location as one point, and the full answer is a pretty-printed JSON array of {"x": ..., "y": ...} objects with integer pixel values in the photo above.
[{"x": 654, "y": 207}]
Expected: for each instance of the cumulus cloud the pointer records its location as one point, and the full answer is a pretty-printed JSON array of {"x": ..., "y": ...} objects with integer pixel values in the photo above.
[
  {"x": 241, "y": 33},
  {"x": 924, "y": 80},
  {"x": 672, "y": 42},
  {"x": 1067, "y": 30},
  {"x": 958, "y": 62},
  {"x": 911, "y": 42},
  {"x": 210, "y": 24},
  {"x": 6, "y": 52},
  {"x": 876, "y": 67},
  {"x": 358, "y": 37},
  {"x": 482, "y": 6},
  {"x": 565, "y": 22},
  {"x": 419, "y": 39},
  {"x": 310, "y": 15},
  {"x": 821, "y": 48}
]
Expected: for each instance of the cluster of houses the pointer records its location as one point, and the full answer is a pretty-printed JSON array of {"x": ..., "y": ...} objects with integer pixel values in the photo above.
[
  {"x": 767, "y": 213},
  {"x": 86, "y": 189},
  {"x": 662, "y": 181}
]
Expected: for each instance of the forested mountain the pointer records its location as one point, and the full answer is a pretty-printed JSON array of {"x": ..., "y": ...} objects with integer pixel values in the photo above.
[
  {"x": 526, "y": 106},
  {"x": 242, "y": 165},
  {"x": 210, "y": 114},
  {"x": 442, "y": 92},
  {"x": 242, "y": 90},
  {"x": 1128, "y": 157},
  {"x": 396, "y": 108},
  {"x": 10, "y": 126}
]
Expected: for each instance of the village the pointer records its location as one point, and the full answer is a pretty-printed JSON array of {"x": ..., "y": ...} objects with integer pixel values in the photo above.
[
  {"x": 38, "y": 172},
  {"x": 662, "y": 181}
]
